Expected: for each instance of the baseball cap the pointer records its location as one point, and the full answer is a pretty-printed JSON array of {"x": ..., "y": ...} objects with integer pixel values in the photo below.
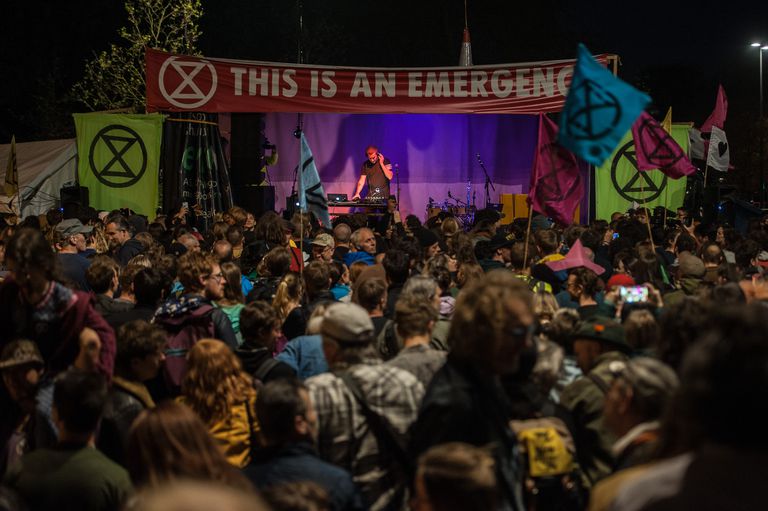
[
  {"x": 324, "y": 240},
  {"x": 20, "y": 352},
  {"x": 347, "y": 323},
  {"x": 72, "y": 226}
]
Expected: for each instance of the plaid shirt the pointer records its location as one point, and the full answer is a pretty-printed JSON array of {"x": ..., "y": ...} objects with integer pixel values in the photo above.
[{"x": 345, "y": 438}]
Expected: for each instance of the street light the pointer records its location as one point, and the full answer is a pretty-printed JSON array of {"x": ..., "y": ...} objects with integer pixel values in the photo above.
[{"x": 762, "y": 48}]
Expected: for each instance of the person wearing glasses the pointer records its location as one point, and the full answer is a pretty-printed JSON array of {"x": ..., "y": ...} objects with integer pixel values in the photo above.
[{"x": 192, "y": 316}]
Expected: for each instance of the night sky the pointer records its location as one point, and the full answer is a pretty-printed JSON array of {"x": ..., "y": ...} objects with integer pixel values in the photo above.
[{"x": 676, "y": 51}]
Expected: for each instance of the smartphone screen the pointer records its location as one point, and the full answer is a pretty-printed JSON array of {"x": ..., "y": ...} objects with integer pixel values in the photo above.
[{"x": 633, "y": 294}]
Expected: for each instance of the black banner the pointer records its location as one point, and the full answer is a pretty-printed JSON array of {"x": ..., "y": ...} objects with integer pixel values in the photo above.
[{"x": 194, "y": 168}]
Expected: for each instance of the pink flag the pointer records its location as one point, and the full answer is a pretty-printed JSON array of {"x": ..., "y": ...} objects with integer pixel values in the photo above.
[
  {"x": 656, "y": 149},
  {"x": 556, "y": 185},
  {"x": 717, "y": 117}
]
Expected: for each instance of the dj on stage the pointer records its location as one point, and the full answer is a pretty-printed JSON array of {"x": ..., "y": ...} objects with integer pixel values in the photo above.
[{"x": 377, "y": 172}]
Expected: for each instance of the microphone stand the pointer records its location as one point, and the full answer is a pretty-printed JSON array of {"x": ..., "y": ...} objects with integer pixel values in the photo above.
[{"x": 488, "y": 181}]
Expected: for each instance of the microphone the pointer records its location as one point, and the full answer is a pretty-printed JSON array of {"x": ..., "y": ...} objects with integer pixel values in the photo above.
[
  {"x": 449, "y": 195},
  {"x": 478, "y": 159},
  {"x": 397, "y": 167}
]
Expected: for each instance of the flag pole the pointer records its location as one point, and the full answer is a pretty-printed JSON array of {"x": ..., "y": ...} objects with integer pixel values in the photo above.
[
  {"x": 527, "y": 238},
  {"x": 648, "y": 221}
]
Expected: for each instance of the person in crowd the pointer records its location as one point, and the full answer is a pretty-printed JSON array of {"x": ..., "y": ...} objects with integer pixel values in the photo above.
[
  {"x": 465, "y": 401},
  {"x": 271, "y": 269},
  {"x": 289, "y": 427},
  {"x": 33, "y": 305},
  {"x": 427, "y": 290},
  {"x": 429, "y": 243},
  {"x": 197, "y": 495},
  {"x": 455, "y": 476},
  {"x": 73, "y": 474},
  {"x": 719, "y": 454},
  {"x": 397, "y": 268},
  {"x": 294, "y": 496},
  {"x": 583, "y": 285},
  {"x": 236, "y": 238},
  {"x": 189, "y": 241},
  {"x": 600, "y": 347},
  {"x": 261, "y": 328},
  {"x": 341, "y": 238},
  {"x": 642, "y": 331},
  {"x": 139, "y": 358},
  {"x": 288, "y": 304},
  {"x": 103, "y": 278},
  {"x": 690, "y": 278},
  {"x": 363, "y": 247},
  {"x": 150, "y": 285},
  {"x": 233, "y": 301},
  {"x": 364, "y": 408},
  {"x": 317, "y": 279},
  {"x": 70, "y": 244},
  {"x": 125, "y": 280},
  {"x": 323, "y": 247},
  {"x": 193, "y": 316},
  {"x": 305, "y": 353},
  {"x": 339, "y": 274},
  {"x": 119, "y": 233},
  {"x": 223, "y": 395},
  {"x": 21, "y": 368},
  {"x": 634, "y": 406},
  {"x": 498, "y": 253},
  {"x": 414, "y": 321},
  {"x": 170, "y": 443},
  {"x": 372, "y": 296}
]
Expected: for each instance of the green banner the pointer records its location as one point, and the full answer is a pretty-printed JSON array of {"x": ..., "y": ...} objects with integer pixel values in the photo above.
[
  {"x": 618, "y": 183},
  {"x": 119, "y": 158}
]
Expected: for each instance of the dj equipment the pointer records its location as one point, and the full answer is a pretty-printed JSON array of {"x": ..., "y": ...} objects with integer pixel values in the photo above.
[{"x": 365, "y": 203}]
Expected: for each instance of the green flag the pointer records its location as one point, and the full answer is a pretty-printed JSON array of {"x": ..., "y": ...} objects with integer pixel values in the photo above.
[
  {"x": 119, "y": 160},
  {"x": 619, "y": 184}
]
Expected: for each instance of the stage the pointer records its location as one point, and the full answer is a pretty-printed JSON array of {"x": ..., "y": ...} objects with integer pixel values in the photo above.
[{"x": 435, "y": 153}]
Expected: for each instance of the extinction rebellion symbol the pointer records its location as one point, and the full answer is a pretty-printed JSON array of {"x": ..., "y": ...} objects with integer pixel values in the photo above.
[
  {"x": 182, "y": 86},
  {"x": 637, "y": 186},
  {"x": 118, "y": 156},
  {"x": 596, "y": 116}
]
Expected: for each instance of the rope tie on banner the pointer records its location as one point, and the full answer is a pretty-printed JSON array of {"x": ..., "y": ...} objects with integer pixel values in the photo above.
[{"x": 193, "y": 121}]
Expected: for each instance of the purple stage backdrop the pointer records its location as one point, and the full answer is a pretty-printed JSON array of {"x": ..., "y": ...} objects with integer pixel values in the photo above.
[{"x": 436, "y": 153}]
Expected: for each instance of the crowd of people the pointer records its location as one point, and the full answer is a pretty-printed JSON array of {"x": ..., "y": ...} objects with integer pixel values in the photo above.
[{"x": 265, "y": 363}]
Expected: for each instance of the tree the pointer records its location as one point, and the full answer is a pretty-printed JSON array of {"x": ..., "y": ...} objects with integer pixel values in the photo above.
[{"x": 115, "y": 78}]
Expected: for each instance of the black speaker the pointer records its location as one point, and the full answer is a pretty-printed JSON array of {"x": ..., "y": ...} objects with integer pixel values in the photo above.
[
  {"x": 257, "y": 199},
  {"x": 74, "y": 194}
]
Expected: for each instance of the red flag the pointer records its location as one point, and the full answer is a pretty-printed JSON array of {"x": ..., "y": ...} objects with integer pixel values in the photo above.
[
  {"x": 556, "y": 185},
  {"x": 656, "y": 149},
  {"x": 717, "y": 117}
]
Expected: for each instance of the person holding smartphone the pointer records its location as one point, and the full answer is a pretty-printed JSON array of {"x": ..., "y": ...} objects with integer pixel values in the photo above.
[{"x": 376, "y": 170}]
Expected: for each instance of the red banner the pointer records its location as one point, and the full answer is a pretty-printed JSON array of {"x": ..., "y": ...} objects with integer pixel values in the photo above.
[{"x": 185, "y": 83}]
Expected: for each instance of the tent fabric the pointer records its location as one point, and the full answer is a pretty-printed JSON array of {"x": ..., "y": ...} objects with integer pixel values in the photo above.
[{"x": 44, "y": 168}]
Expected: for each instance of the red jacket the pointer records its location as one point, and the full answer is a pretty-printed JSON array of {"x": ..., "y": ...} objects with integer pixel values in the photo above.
[{"x": 58, "y": 338}]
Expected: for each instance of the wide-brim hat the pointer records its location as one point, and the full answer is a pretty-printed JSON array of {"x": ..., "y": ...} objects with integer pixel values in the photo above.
[
  {"x": 576, "y": 258},
  {"x": 20, "y": 352},
  {"x": 605, "y": 331}
]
